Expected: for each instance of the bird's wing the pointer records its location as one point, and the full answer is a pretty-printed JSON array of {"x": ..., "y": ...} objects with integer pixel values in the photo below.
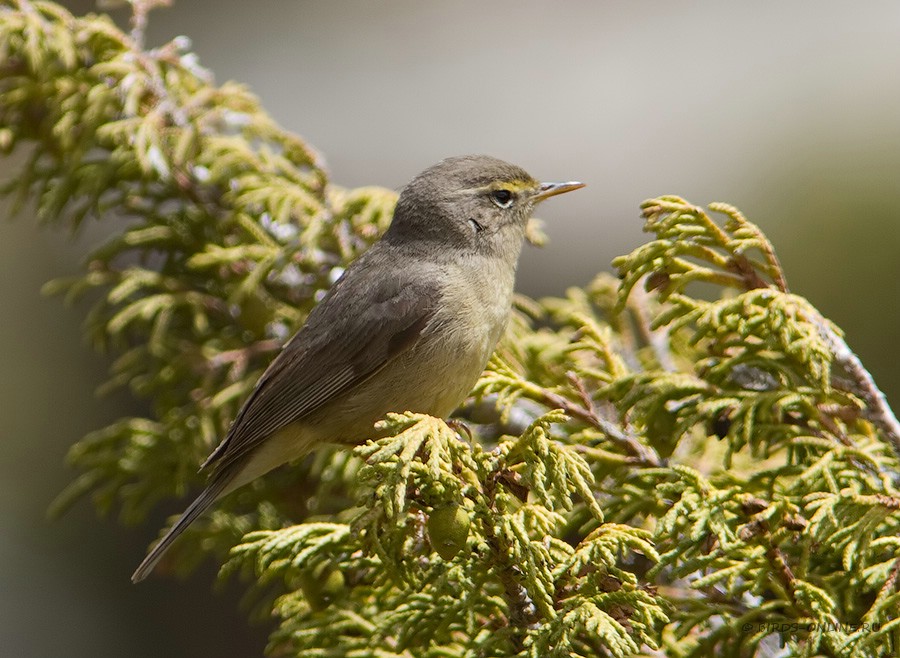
[{"x": 354, "y": 332}]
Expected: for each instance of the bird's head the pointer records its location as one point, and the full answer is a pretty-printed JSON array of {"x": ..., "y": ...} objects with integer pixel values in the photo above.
[{"x": 473, "y": 203}]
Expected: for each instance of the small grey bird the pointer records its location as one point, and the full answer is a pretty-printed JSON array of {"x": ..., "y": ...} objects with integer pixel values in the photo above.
[{"x": 408, "y": 327}]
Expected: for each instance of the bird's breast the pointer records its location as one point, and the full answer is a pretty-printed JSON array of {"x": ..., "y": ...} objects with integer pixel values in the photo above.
[
  {"x": 438, "y": 371},
  {"x": 473, "y": 313}
]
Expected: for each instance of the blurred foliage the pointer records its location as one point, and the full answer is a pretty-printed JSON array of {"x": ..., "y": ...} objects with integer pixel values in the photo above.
[{"x": 652, "y": 468}]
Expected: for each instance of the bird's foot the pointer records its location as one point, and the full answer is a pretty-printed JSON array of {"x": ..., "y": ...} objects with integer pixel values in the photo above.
[{"x": 459, "y": 427}]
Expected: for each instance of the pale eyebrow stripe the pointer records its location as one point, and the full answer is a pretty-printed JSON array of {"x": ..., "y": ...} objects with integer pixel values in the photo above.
[{"x": 512, "y": 186}]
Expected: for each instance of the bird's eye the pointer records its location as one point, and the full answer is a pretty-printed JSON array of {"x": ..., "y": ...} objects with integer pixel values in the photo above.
[{"x": 502, "y": 198}]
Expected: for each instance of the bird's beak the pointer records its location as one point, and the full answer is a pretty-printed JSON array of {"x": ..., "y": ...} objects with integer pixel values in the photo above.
[{"x": 547, "y": 190}]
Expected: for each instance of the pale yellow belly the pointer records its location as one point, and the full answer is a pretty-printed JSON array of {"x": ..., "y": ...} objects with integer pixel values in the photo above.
[{"x": 431, "y": 380}]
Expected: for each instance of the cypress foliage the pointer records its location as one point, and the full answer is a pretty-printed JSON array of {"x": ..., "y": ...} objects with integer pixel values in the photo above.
[{"x": 649, "y": 471}]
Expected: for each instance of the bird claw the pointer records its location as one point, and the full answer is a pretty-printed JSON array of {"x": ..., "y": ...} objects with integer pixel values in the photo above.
[{"x": 459, "y": 427}]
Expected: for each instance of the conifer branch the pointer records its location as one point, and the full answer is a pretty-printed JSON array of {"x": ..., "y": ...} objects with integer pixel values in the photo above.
[
  {"x": 642, "y": 455},
  {"x": 876, "y": 407},
  {"x": 680, "y": 468}
]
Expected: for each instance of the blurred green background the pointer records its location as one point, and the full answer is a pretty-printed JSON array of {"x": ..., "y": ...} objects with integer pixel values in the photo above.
[{"x": 791, "y": 111}]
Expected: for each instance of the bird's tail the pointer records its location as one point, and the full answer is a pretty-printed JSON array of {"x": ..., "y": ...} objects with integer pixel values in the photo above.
[{"x": 206, "y": 498}]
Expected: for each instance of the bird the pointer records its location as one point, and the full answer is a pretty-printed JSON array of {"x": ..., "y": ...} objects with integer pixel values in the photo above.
[{"x": 409, "y": 326}]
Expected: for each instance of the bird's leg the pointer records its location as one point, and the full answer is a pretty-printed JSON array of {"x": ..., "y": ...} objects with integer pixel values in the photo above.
[{"x": 459, "y": 427}]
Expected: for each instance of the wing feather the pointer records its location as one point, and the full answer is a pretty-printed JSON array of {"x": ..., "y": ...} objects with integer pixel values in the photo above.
[{"x": 349, "y": 337}]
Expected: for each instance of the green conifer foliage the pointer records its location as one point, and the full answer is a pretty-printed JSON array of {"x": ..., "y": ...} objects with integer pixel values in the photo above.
[{"x": 645, "y": 469}]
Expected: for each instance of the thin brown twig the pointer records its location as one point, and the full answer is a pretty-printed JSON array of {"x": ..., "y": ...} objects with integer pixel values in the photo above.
[
  {"x": 782, "y": 570},
  {"x": 657, "y": 339},
  {"x": 578, "y": 383},
  {"x": 877, "y": 410},
  {"x": 889, "y": 583},
  {"x": 643, "y": 455}
]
